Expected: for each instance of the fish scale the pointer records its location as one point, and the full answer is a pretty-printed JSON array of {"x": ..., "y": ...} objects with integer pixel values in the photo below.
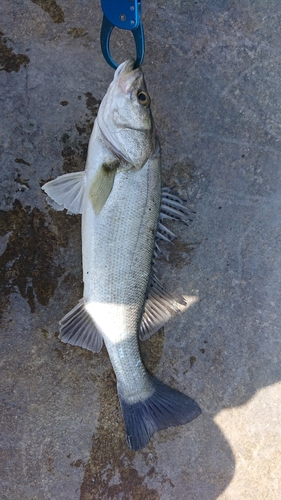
[
  {"x": 120, "y": 263},
  {"x": 121, "y": 287},
  {"x": 123, "y": 207}
]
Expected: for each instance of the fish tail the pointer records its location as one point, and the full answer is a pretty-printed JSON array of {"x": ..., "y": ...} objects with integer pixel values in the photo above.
[{"x": 166, "y": 407}]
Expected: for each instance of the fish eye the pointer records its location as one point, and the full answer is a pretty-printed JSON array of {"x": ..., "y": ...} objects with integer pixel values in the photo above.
[{"x": 143, "y": 98}]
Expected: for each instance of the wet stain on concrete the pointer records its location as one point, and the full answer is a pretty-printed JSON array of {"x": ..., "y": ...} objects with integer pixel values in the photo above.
[
  {"x": 20, "y": 160},
  {"x": 110, "y": 472},
  {"x": 151, "y": 350},
  {"x": 52, "y": 8},
  {"x": 75, "y": 148},
  {"x": 179, "y": 176},
  {"x": 77, "y": 463},
  {"x": 22, "y": 183},
  {"x": 59, "y": 354},
  {"x": 27, "y": 262},
  {"x": 192, "y": 360},
  {"x": 74, "y": 154},
  {"x": 77, "y": 32},
  {"x": 92, "y": 104},
  {"x": 50, "y": 461},
  {"x": 180, "y": 254},
  {"x": 9, "y": 61},
  {"x": 45, "y": 333}
]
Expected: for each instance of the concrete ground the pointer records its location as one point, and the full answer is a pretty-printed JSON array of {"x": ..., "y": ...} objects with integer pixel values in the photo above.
[{"x": 213, "y": 69}]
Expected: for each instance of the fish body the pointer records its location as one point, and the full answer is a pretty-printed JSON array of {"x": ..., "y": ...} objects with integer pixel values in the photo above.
[{"x": 122, "y": 206}]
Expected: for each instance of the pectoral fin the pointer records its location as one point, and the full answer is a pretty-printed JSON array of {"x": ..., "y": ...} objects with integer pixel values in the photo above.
[
  {"x": 102, "y": 185},
  {"x": 67, "y": 191}
]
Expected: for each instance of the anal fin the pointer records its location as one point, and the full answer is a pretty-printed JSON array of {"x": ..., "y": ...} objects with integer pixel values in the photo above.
[{"x": 77, "y": 328}]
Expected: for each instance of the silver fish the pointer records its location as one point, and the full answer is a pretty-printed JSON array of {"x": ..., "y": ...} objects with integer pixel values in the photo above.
[{"x": 123, "y": 206}]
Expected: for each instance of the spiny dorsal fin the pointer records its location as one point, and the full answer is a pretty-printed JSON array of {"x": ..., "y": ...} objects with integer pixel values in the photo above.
[
  {"x": 159, "y": 304},
  {"x": 102, "y": 185},
  {"x": 172, "y": 207},
  {"x": 77, "y": 328}
]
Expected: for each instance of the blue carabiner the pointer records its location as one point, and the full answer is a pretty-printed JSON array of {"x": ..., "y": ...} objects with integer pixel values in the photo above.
[{"x": 123, "y": 14}]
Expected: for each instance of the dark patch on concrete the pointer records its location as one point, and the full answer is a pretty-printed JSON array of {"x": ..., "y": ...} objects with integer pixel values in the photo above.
[
  {"x": 180, "y": 253},
  {"x": 64, "y": 103},
  {"x": 179, "y": 176},
  {"x": 77, "y": 32},
  {"x": 59, "y": 354},
  {"x": 192, "y": 360},
  {"x": 23, "y": 183},
  {"x": 45, "y": 333},
  {"x": 74, "y": 154},
  {"x": 151, "y": 350},
  {"x": 20, "y": 160},
  {"x": 77, "y": 463},
  {"x": 110, "y": 473},
  {"x": 75, "y": 148},
  {"x": 27, "y": 263},
  {"x": 52, "y": 8},
  {"x": 8, "y": 60},
  {"x": 50, "y": 462},
  {"x": 92, "y": 103},
  {"x": 70, "y": 281}
]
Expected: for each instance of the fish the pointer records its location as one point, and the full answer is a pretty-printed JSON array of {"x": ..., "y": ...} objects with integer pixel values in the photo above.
[{"x": 123, "y": 206}]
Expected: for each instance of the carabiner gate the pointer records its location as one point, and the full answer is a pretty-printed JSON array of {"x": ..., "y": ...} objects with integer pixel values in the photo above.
[{"x": 124, "y": 14}]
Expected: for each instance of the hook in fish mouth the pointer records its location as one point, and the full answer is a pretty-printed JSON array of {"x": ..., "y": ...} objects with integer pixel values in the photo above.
[
  {"x": 126, "y": 75},
  {"x": 127, "y": 67}
]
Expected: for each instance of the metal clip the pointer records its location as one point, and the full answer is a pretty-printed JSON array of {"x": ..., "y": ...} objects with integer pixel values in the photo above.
[{"x": 124, "y": 14}]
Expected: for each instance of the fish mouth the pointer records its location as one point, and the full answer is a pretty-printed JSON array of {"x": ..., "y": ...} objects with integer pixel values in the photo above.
[
  {"x": 126, "y": 74},
  {"x": 126, "y": 67}
]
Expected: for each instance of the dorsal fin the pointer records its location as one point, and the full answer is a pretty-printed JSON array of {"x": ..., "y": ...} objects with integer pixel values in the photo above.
[
  {"x": 160, "y": 305},
  {"x": 172, "y": 207}
]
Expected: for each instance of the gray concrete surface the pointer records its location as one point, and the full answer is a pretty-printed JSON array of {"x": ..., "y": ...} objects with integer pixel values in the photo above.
[{"x": 213, "y": 69}]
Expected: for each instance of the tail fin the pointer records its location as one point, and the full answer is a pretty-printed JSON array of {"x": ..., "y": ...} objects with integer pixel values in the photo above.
[{"x": 165, "y": 408}]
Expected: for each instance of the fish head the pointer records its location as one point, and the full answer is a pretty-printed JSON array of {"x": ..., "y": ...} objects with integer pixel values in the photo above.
[{"x": 125, "y": 117}]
